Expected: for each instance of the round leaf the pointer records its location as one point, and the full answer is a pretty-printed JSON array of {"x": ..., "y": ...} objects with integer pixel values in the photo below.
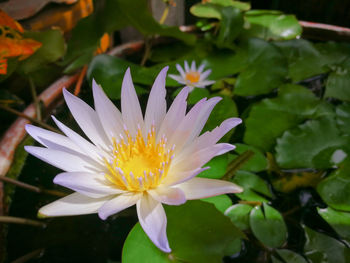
[
  {"x": 266, "y": 70},
  {"x": 257, "y": 163},
  {"x": 276, "y": 26},
  {"x": 252, "y": 185},
  {"x": 320, "y": 248},
  {"x": 239, "y": 215},
  {"x": 221, "y": 202},
  {"x": 297, "y": 147},
  {"x": 340, "y": 221},
  {"x": 268, "y": 226},
  {"x": 288, "y": 256},
  {"x": 197, "y": 232}
]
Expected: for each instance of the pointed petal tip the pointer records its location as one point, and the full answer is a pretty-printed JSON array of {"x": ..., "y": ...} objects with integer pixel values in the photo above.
[
  {"x": 102, "y": 216},
  {"x": 41, "y": 215}
]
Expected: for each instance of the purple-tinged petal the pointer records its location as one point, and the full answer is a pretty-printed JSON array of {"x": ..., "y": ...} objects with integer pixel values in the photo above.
[
  {"x": 180, "y": 69},
  {"x": 198, "y": 188},
  {"x": 87, "y": 119},
  {"x": 73, "y": 204},
  {"x": 109, "y": 115},
  {"x": 168, "y": 195},
  {"x": 131, "y": 110},
  {"x": 68, "y": 162},
  {"x": 153, "y": 221},
  {"x": 89, "y": 184},
  {"x": 174, "y": 115},
  {"x": 156, "y": 105},
  {"x": 118, "y": 204},
  {"x": 198, "y": 159},
  {"x": 174, "y": 178},
  {"x": 42, "y": 136}
]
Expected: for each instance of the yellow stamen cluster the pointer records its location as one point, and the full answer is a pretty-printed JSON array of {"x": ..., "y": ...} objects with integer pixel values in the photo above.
[
  {"x": 137, "y": 164},
  {"x": 193, "y": 76}
]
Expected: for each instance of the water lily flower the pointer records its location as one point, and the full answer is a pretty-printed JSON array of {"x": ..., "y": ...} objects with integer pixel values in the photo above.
[
  {"x": 192, "y": 77},
  {"x": 130, "y": 159}
]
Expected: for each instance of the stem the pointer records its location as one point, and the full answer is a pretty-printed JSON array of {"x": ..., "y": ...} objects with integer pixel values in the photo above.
[
  {"x": 80, "y": 80},
  {"x": 21, "y": 221},
  {"x": 237, "y": 163},
  {"x": 164, "y": 15},
  {"x": 38, "y": 122},
  {"x": 252, "y": 203},
  {"x": 29, "y": 256},
  {"x": 35, "y": 99},
  {"x": 31, "y": 187},
  {"x": 148, "y": 45}
]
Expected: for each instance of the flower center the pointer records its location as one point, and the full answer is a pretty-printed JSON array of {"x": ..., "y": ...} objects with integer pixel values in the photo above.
[
  {"x": 193, "y": 76},
  {"x": 136, "y": 164}
]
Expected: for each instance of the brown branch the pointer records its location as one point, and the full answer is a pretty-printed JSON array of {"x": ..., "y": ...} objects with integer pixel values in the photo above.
[
  {"x": 31, "y": 187},
  {"x": 21, "y": 221},
  {"x": 34, "y": 120}
]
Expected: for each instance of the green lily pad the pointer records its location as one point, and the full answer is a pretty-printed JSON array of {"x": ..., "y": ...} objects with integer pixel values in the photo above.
[
  {"x": 202, "y": 235},
  {"x": 320, "y": 248},
  {"x": 252, "y": 185},
  {"x": 230, "y": 26},
  {"x": 239, "y": 215},
  {"x": 343, "y": 117},
  {"x": 297, "y": 147},
  {"x": 304, "y": 60},
  {"x": 257, "y": 163},
  {"x": 339, "y": 220},
  {"x": 335, "y": 189},
  {"x": 271, "y": 117},
  {"x": 212, "y": 9},
  {"x": 268, "y": 226},
  {"x": 288, "y": 256},
  {"x": 271, "y": 26},
  {"x": 337, "y": 85},
  {"x": 217, "y": 166},
  {"x": 221, "y": 202},
  {"x": 266, "y": 70}
]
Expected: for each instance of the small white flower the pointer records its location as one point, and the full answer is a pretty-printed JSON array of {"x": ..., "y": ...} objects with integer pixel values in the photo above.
[
  {"x": 131, "y": 159},
  {"x": 192, "y": 77}
]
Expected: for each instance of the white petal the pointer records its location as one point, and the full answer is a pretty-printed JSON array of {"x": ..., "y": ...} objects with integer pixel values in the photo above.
[
  {"x": 63, "y": 160},
  {"x": 118, "y": 204},
  {"x": 42, "y": 136},
  {"x": 208, "y": 139},
  {"x": 85, "y": 146},
  {"x": 204, "y": 83},
  {"x": 73, "y": 204},
  {"x": 198, "y": 188},
  {"x": 205, "y": 74},
  {"x": 156, "y": 105},
  {"x": 131, "y": 110},
  {"x": 191, "y": 126},
  {"x": 153, "y": 221},
  {"x": 89, "y": 184},
  {"x": 110, "y": 116},
  {"x": 187, "y": 68},
  {"x": 198, "y": 159},
  {"x": 182, "y": 72},
  {"x": 87, "y": 119},
  {"x": 175, "y": 114},
  {"x": 200, "y": 68},
  {"x": 168, "y": 195},
  {"x": 174, "y": 178},
  {"x": 193, "y": 66},
  {"x": 177, "y": 78}
]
